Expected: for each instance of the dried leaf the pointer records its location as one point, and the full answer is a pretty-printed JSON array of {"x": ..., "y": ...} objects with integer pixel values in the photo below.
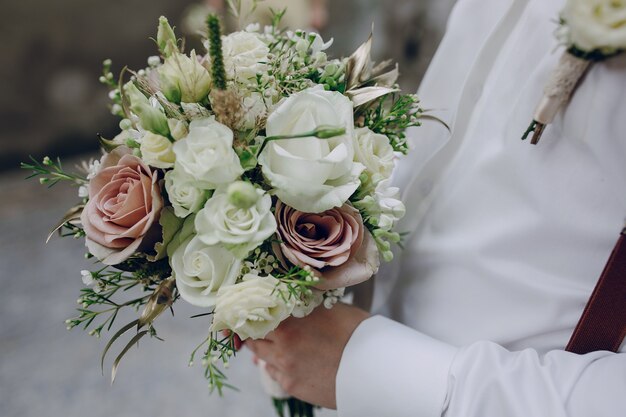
[
  {"x": 387, "y": 79},
  {"x": 107, "y": 144},
  {"x": 73, "y": 215},
  {"x": 119, "y": 333},
  {"x": 366, "y": 95},
  {"x": 130, "y": 344},
  {"x": 160, "y": 300},
  {"x": 435, "y": 118},
  {"x": 379, "y": 68},
  {"x": 359, "y": 64}
]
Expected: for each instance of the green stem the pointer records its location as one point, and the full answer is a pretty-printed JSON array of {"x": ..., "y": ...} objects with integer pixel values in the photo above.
[{"x": 320, "y": 133}]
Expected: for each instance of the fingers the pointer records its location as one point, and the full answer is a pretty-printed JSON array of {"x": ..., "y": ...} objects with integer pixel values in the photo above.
[
  {"x": 272, "y": 371},
  {"x": 262, "y": 349}
]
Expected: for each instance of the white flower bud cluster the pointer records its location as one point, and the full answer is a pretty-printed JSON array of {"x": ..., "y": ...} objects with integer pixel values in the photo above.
[
  {"x": 332, "y": 297},
  {"x": 263, "y": 264}
]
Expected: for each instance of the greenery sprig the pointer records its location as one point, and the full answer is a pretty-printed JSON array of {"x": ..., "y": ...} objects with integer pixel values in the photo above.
[
  {"x": 51, "y": 172},
  {"x": 218, "y": 71},
  {"x": 218, "y": 348},
  {"x": 296, "y": 284},
  {"x": 392, "y": 116},
  {"x": 105, "y": 284}
]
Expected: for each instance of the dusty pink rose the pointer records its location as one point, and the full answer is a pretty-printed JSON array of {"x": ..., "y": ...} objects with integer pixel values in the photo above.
[
  {"x": 124, "y": 203},
  {"x": 334, "y": 243}
]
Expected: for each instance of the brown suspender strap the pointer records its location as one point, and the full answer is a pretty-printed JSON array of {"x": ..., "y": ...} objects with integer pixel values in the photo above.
[{"x": 602, "y": 325}]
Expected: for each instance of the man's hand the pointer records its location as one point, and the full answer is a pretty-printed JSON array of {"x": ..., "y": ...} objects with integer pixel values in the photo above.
[{"x": 303, "y": 355}]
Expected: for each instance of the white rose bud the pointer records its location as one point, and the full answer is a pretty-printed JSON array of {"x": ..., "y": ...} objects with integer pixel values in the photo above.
[
  {"x": 184, "y": 194},
  {"x": 178, "y": 128},
  {"x": 242, "y": 194},
  {"x": 201, "y": 270},
  {"x": 251, "y": 308},
  {"x": 156, "y": 151},
  {"x": 312, "y": 174},
  {"x": 375, "y": 152},
  {"x": 207, "y": 154},
  {"x": 239, "y": 229},
  {"x": 184, "y": 79},
  {"x": 166, "y": 39},
  {"x": 152, "y": 118}
]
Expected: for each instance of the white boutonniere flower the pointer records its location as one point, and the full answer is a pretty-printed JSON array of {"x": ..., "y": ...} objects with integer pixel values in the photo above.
[{"x": 591, "y": 30}]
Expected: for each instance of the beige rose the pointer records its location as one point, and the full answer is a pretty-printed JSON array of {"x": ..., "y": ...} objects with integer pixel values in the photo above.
[
  {"x": 124, "y": 204},
  {"x": 334, "y": 243}
]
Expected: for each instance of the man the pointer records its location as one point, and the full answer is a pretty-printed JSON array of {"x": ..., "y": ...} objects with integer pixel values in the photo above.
[{"x": 508, "y": 241}]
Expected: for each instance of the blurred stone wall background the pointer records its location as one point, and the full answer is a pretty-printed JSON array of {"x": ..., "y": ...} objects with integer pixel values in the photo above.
[{"x": 52, "y": 103}]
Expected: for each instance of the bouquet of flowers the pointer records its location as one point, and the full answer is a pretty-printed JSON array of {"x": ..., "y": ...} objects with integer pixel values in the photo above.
[{"x": 251, "y": 181}]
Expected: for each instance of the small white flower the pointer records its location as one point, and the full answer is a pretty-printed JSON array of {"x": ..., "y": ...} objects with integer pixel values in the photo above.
[
  {"x": 308, "y": 304},
  {"x": 87, "y": 277},
  {"x": 154, "y": 61},
  {"x": 384, "y": 207},
  {"x": 375, "y": 152},
  {"x": 251, "y": 308},
  {"x": 253, "y": 27},
  {"x": 93, "y": 168},
  {"x": 254, "y": 110},
  {"x": 83, "y": 191},
  {"x": 116, "y": 109}
]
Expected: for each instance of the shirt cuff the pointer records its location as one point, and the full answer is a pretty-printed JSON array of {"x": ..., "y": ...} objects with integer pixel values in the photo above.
[{"x": 388, "y": 369}]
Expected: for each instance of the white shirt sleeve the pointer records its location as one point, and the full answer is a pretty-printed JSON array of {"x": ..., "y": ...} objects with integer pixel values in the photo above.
[{"x": 391, "y": 370}]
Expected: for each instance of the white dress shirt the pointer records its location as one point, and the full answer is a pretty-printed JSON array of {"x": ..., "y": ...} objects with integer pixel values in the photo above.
[{"x": 507, "y": 239}]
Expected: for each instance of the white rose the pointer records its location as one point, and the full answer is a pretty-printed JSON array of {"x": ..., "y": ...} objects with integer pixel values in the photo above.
[
  {"x": 239, "y": 229},
  {"x": 156, "y": 151},
  {"x": 207, "y": 153},
  {"x": 374, "y": 151},
  {"x": 310, "y": 174},
  {"x": 596, "y": 24},
  {"x": 245, "y": 55},
  {"x": 251, "y": 308},
  {"x": 184, "y": 194},
  {"x": 201, "y": 270}
]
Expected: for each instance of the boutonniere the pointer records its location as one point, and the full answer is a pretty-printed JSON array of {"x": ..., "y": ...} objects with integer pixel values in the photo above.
[{"x": 591, "y": 31}]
